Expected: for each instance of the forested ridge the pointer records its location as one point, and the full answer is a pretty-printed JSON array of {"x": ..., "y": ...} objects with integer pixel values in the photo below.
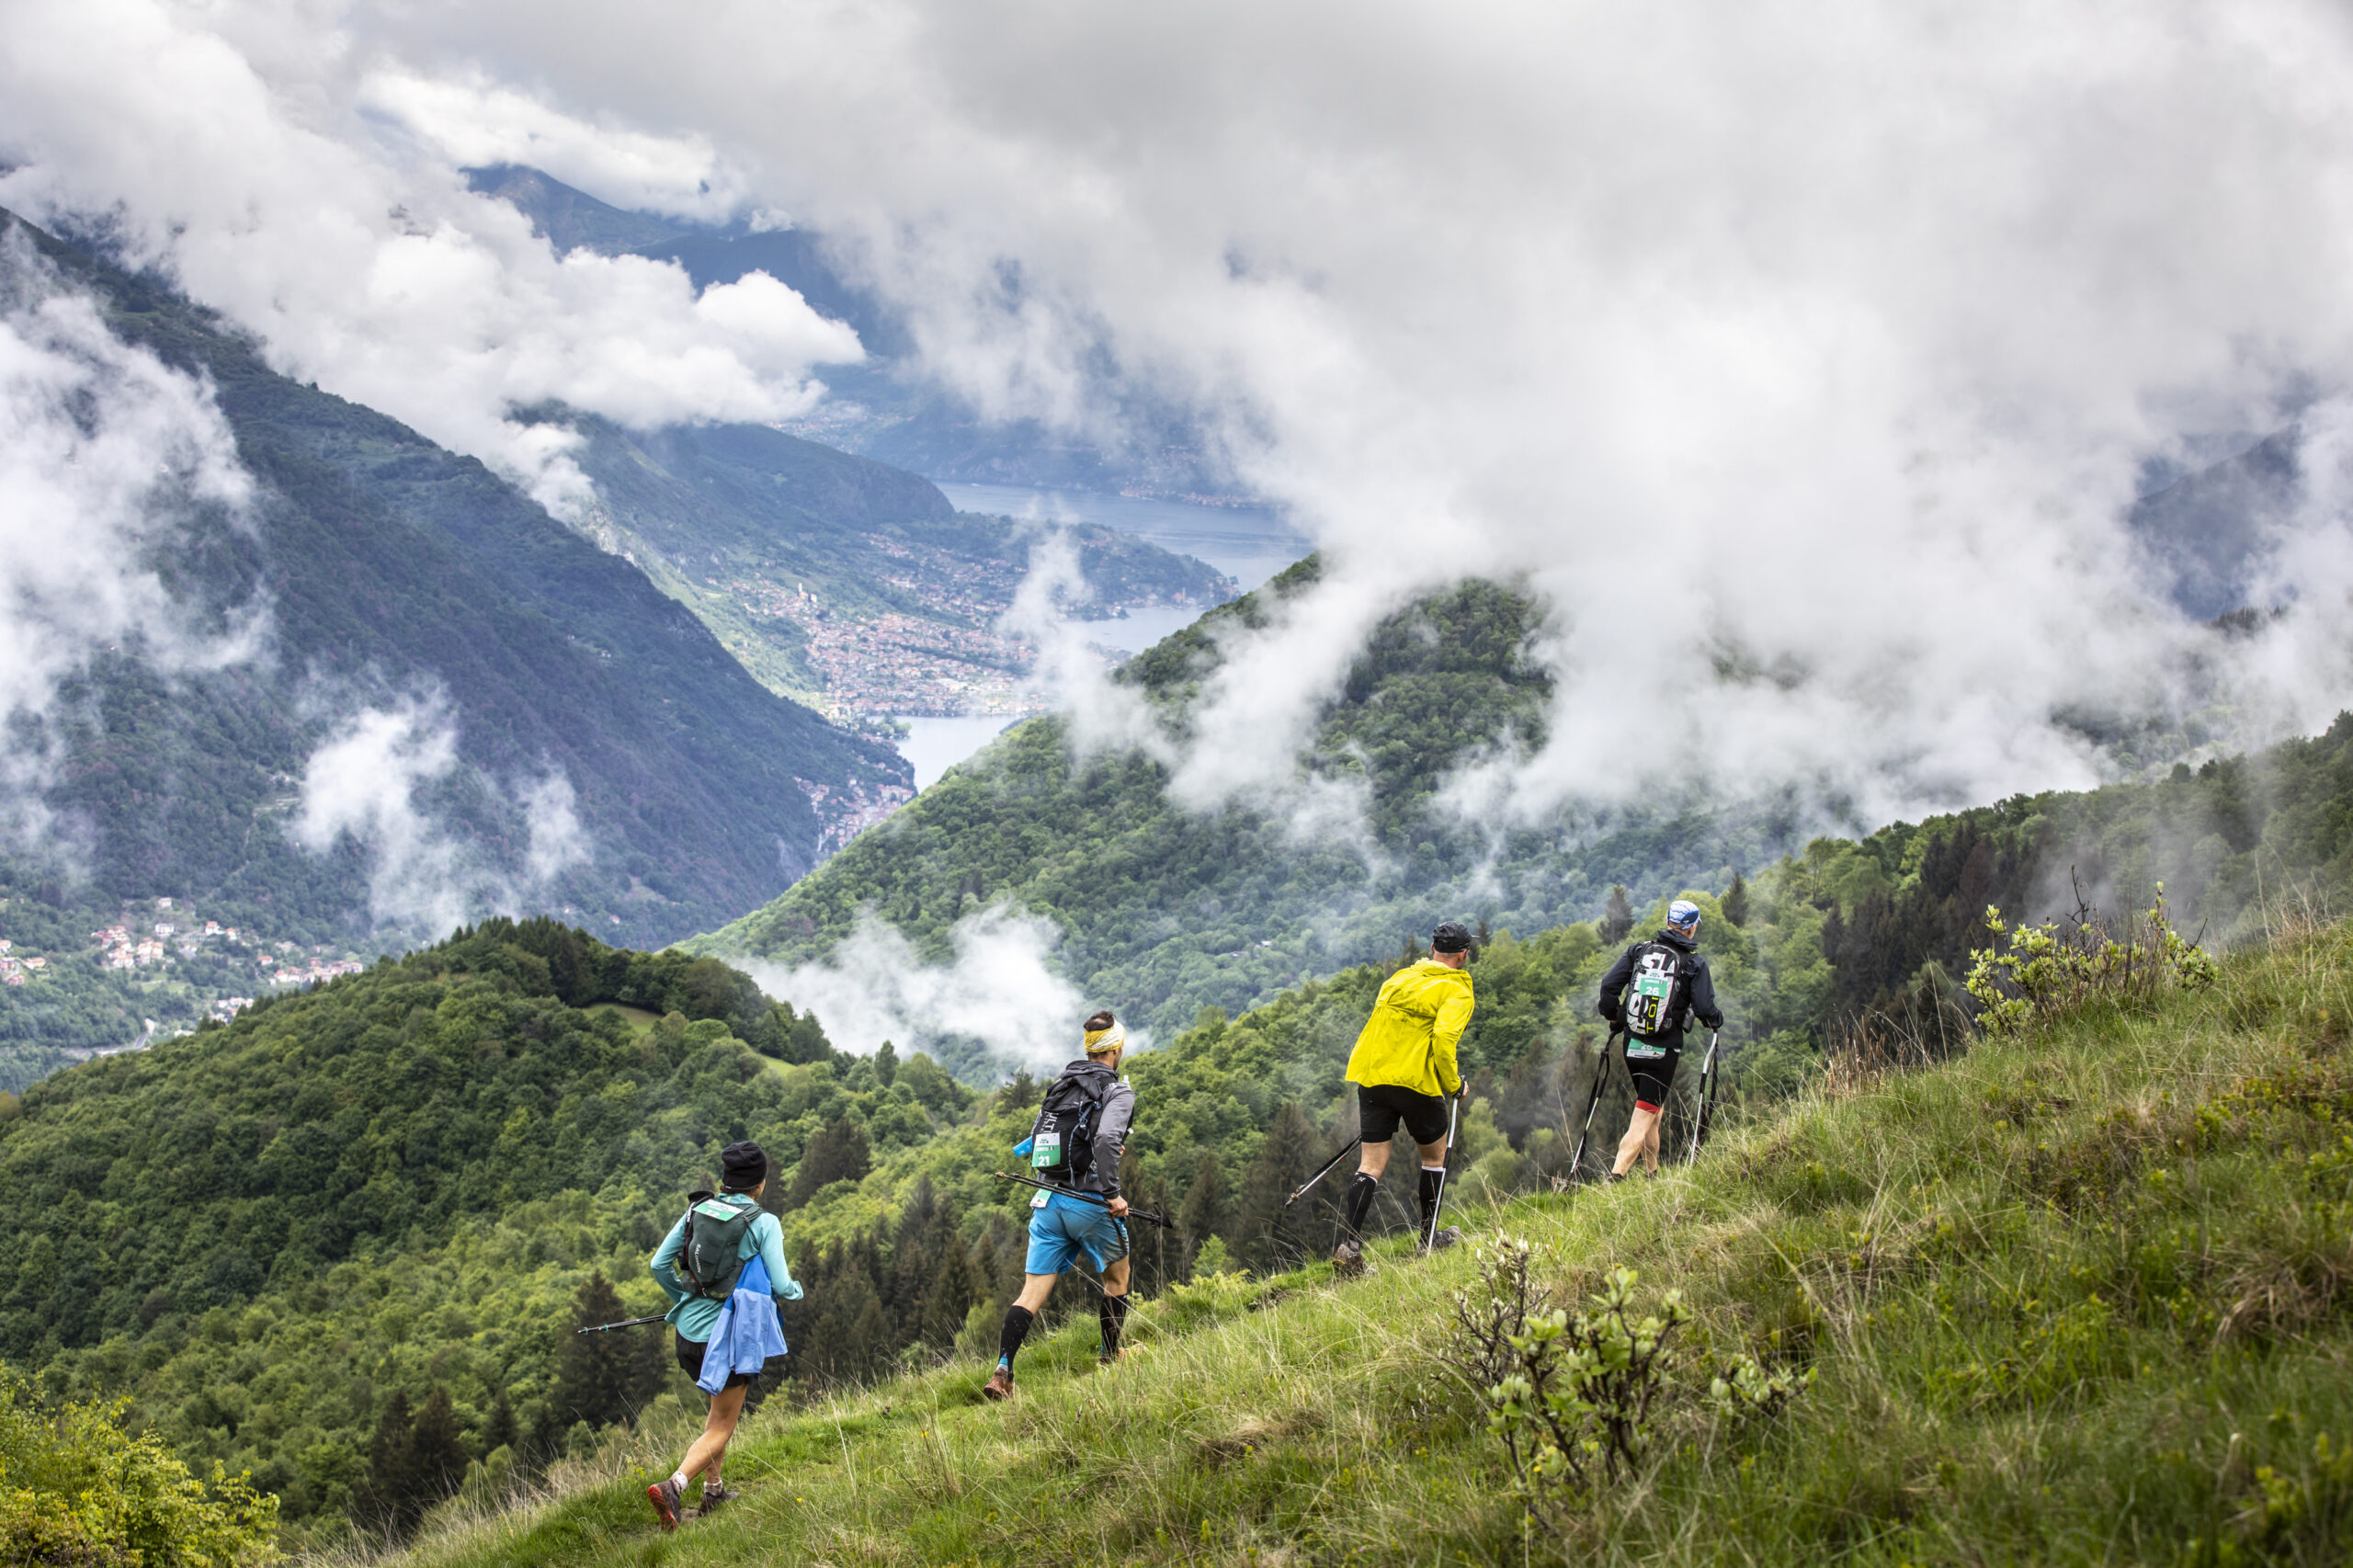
[{"x": 1168, "y": 910}]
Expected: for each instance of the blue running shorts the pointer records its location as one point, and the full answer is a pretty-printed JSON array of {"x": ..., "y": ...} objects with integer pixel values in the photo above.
[{"x": 1066, "y": 1225}]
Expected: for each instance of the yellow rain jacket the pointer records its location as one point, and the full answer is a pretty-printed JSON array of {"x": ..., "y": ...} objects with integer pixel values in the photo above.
[{"x": 1409, "y": 1039}]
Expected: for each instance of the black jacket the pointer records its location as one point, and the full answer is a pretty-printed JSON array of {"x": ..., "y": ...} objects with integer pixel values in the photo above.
[
  {"x": 1701, "y": 1003},
  {"x": 1112, "y": 1123}
]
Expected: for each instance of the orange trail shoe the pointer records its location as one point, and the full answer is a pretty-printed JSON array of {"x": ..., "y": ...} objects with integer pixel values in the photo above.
[
  {"x": 1000, "y": 1384},
  {"x": 664, "y": 1495}
]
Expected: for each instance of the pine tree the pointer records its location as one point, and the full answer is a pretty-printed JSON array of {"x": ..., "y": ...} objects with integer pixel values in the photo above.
[
  {"x": 1735, "y": 901},
  {"x": 838, "y": 1152},
  {"x": 1616, "y": 915},
  {"x": 436, "y": 1454},
  {"x": 499, "y": 1430},
  {"x": 600, "y": 1378},
  {"x": 390, "y": 1479},
  {"x": 1265, "y": 1236},
  {"x": 886, "y": 1065},
  {"x": 1205, "y": 1212}
]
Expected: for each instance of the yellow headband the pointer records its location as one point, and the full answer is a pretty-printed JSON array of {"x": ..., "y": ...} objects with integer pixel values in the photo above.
[{"x": 1101, "y": 1041}]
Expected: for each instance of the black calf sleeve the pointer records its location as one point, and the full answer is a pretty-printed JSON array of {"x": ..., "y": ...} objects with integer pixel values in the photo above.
[
  {"x": 1113, "y": 1312},
  {"x": 1358, "y": 1201},
  {"x": 1430, "y": 1180},
  {"x": 1017, "y": 1320}
]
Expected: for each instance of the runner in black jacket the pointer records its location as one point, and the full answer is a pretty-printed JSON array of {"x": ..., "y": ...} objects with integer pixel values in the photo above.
[{"x": 1649, "y": 1059}]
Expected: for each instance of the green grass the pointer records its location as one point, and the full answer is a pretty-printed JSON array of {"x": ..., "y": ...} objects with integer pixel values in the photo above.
[{"x": 2076, "y": 1298}]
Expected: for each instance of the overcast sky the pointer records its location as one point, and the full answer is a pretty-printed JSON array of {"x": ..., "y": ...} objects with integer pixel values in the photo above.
[{"x": 1820, "y": 344}]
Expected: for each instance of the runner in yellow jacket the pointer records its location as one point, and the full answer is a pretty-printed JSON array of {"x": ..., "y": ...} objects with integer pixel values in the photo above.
[{"x": 1404, "y": 1071}]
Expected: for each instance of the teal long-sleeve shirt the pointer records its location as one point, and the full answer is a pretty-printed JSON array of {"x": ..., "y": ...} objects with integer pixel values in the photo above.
[{"x": 692, "y": 1315}]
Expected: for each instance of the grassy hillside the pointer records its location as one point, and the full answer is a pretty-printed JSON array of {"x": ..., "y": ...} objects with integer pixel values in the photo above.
[{"x": 2074, "y": 1297}]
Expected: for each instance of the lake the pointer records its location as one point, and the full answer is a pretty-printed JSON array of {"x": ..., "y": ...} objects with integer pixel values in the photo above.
[{"x": 1249, "y": 544}]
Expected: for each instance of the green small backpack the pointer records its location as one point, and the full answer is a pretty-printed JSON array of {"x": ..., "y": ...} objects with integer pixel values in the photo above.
[{"x": 713, "y": 1259}]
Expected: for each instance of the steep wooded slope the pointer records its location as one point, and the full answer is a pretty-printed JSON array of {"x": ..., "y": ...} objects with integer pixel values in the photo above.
[{"x": 393, "y": 570}]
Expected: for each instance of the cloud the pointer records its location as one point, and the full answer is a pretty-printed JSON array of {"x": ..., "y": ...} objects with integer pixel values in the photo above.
[
  {"x": 1000, "y": 989},
  {"x": 106, "y": 455},
  {"x": 474, "y": 123},
  {"x": 1807, "y": 358},
  {"x": 259, "y": 155},
  {"x": 375, "y": 782}
]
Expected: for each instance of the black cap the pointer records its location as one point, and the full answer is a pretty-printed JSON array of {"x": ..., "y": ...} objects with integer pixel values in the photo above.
[
  {"x": 743, "y": 1166},
  {"x": 1452, "y": 937}
]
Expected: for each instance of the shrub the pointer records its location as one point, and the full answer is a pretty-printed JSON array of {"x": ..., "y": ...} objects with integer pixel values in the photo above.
[
  {"x": 2057, "y": 966},
  {"x": 75, "y": 1488},
  {"x": 1566, "y": 1396}
]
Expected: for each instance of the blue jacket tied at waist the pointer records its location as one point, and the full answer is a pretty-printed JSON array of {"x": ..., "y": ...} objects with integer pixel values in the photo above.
[{"x": 746, "y": 1333}]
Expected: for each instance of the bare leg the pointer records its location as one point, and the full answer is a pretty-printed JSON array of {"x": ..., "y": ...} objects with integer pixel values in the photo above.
[
  {"x": 726, "y": 1409},
  {"x": 1375, "y": 1157},
  {"x": 1650, "y": 1142},
  {"x": 1035, "y": 1288},
  {"x": 1642, "y": 1136}
]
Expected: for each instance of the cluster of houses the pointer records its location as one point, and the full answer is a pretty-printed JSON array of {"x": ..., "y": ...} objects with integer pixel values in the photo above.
[{"x": 16, "y": 967}]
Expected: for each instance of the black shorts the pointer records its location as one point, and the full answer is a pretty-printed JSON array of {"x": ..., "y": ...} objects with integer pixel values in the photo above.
[
  {"x": 1653, "y": 1077},
  {"x": 1381, "y": 1107},
  {"x": 691, "y": 1354}
]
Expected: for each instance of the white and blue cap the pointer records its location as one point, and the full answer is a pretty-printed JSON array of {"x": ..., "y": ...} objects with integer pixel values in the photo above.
[{"x": 1684, "y": 914}]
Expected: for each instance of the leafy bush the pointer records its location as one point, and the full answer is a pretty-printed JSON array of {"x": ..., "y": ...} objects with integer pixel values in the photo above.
[
  {"x": 75, "y": 1488},
  {"x": 2059, "y": 965},
  {"x": 1566, "y": 1396}
]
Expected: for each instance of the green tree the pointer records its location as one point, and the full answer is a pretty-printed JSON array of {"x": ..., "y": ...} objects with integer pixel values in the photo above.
[
  {"x": 436, "y": 1454},
  {"x": 1735, "y": 901},
  {"x": 605, "y": 1378},
  {"x": 1269, "y": 1237},
  {"x": 1204, "y": 1213},
  {"x": 839, "y": 1153},
  {"x": 1616, "y": 915}
]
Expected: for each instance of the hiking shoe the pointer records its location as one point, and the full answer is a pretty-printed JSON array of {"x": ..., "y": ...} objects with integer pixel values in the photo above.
[
  {"x": 664, "y": 1495},
  {"x": 1000, "y": 1384},
  {"x": 1347, "y": 1260},
  {"x": 1110, "y": 1359},
  {"x": 1445, "y": 1239},
  {"x": 714, "y": 1498}
]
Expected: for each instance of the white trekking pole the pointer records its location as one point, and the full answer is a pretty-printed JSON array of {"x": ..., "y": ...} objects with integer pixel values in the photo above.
[
  {"x": 1707, "y": 1094},
  {"x": 1437, "y": 1207}
]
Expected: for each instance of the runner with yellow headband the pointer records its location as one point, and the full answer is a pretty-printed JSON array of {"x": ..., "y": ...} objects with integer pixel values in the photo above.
[{"x": 1075, "y": 1144}]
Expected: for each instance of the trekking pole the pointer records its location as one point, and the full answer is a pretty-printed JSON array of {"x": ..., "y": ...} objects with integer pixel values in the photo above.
[
  {"x": 1592, "y": 1104},
  {"x": 1437, "y": 1204},
  {"x": 1146, "y": 1215},
  {"x": 1301, "y": 1191},
  {"x": 1707, "y": 1092},
  {"x": 631, "y": 1322}
]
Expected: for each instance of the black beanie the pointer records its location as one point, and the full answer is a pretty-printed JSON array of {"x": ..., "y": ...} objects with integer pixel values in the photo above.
[
  {"x": 743, "y": 1166},
  {"x": 1451, "y": 937}
]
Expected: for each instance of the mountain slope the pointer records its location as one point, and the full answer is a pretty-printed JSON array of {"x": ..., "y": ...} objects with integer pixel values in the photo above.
[
  {"x": 401, "y": 579},
  {"x": 1164, "y": 910},
  {"x": 844, "y": 583},
  {"x": 2073, "y": 1299}
]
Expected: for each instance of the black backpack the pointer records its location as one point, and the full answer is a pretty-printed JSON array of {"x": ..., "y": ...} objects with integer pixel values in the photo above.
[
  {"x": 1062, "y": 1145},
  {"x": 711, "y": 1258},
  {"x": 1658, "y": 991}
]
